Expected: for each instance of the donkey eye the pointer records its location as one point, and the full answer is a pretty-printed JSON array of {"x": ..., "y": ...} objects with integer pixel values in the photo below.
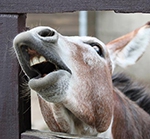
[{"x": 98, "y": 49}]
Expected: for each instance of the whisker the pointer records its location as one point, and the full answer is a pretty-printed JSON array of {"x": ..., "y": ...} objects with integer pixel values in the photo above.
[
  {"x": 24, "y": 89},
  {"x": 27, "y": 109}
]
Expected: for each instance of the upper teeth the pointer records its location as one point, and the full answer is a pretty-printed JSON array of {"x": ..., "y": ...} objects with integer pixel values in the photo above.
[{"x": 37, "y": 60}]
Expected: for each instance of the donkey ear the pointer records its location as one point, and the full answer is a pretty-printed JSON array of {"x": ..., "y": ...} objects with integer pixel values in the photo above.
[{"x": 126, "y": 50}]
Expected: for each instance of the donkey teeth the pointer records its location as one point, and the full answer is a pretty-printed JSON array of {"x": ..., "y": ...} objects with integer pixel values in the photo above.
[
  {"x": 42, "y": 59},
  {"x": 36, "y": 60}
]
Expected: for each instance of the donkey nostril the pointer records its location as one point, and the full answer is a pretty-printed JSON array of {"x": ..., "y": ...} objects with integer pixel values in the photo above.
[{"x": 46, "y": 33}]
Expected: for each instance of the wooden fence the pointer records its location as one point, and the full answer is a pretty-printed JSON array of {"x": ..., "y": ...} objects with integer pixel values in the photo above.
[{"x": 14, "y": 109}]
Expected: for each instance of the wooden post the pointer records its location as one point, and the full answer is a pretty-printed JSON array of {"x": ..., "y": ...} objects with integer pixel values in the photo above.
[{"x": 10, "y": 123}]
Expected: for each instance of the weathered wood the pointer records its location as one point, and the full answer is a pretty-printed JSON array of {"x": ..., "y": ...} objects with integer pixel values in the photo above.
[
  {"x": 52, "y": 135},
  {"x": 24, "y": 92},
  {"x": 53, "y": 6},
  {"x": 9, "y": 80}
]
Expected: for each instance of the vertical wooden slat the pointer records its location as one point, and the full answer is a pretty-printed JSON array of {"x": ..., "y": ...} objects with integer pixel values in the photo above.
[
  {"x": 24, "y": 94},
  {"x": 10, "y": 25},
  {"x": 24, "y": 104}
]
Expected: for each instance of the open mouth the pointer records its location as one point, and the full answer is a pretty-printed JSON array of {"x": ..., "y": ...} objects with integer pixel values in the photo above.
[
  {"x": 39, "y": 65},
  {"x": 43, "y": 67}
]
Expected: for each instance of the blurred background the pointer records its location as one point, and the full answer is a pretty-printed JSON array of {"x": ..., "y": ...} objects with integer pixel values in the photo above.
[{"x": 106, "y": 26}]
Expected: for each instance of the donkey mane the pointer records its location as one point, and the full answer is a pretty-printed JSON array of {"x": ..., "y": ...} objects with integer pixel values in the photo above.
[{"x": 133, "y": 90}]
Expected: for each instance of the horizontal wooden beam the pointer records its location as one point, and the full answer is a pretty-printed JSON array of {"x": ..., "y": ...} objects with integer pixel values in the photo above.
[
  {"x": 56, "y": 6},
  {"x": 34, "y": 134}
]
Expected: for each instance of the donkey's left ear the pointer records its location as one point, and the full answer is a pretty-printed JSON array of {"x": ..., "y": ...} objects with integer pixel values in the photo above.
[{"x": 126, "y": 50}]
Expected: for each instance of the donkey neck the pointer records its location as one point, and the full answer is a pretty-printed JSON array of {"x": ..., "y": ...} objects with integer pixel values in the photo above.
[{"x": 130, "y": 121}]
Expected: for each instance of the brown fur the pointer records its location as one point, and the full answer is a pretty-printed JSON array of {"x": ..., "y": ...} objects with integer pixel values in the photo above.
[{"x": 128, "y": 118}]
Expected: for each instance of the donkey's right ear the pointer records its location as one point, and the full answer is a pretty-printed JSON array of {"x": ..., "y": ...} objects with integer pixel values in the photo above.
[{"x": 126, "y": 50}]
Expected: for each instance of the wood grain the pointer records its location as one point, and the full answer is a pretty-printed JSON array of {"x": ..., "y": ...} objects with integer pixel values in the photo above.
[
  {"x": 55, "y": 6},
  {"x": 9, "y": 79}
]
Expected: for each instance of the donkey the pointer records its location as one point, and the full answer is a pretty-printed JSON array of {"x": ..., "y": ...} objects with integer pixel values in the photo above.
[{"x": 73, "y": 79}]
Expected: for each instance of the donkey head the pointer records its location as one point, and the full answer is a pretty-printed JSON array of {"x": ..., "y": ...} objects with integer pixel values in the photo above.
[
  {"x": 76, "y": 71},
  {"x": 58, "y": 63}
]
